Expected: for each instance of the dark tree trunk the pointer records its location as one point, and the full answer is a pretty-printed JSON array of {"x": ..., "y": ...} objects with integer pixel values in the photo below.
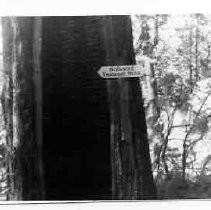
[
  {"x": 131, "y": 167},
  {"x": 7, "y": 101},
  {"x": 76, "y": 130},
  {"x": 20, "y": 57},
  {"x": 74, "y": 105}
]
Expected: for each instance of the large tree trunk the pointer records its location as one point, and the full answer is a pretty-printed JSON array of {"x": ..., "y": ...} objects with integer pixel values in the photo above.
[
  {"x": 72, "y": 95},
  {"x": 7, "y": 103},
  {"x": 76, "y": 127},
  {"x": 21, "y": 55},
  {"x": 131, "y": 168}
]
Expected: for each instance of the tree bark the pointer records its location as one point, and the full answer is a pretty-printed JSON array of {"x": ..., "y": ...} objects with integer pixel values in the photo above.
[
  {"x": 131, "y": 168},
  {"x": 20, "y": 59},
  {"x": 7, "y": 101}
]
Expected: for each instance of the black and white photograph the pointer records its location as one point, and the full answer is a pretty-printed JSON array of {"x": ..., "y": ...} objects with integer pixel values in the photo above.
[{"x": 105, "y": 107}]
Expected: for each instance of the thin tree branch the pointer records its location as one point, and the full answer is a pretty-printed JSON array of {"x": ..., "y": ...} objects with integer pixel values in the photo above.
[{"x": 184, "y": 154}]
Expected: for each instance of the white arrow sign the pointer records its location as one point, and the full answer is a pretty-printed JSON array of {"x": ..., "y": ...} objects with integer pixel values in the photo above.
[{"x": 108, "y": 72}]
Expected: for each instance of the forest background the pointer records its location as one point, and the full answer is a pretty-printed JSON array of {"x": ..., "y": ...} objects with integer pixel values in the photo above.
[{"x": 177, "y": 99}]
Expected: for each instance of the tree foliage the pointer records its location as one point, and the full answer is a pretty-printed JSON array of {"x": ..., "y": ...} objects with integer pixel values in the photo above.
[{"x": 180, "y": 46}]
